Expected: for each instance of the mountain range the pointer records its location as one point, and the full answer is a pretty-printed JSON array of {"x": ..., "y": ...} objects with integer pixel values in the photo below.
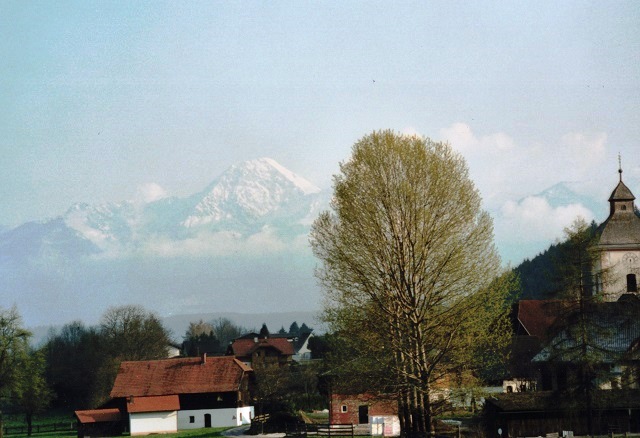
[{"x": 239, "y": 245}]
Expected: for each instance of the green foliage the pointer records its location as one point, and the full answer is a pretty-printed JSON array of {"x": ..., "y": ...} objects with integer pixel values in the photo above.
[
  {"x": 74, "y": 355},
  {"x": 210, "y": 337},
  {"x": 200, "y": 339},
  {"x": 542, "y": 276},
  {"x": 83, "y": 362},
  {"x": 407, "y": 263},
  {"x": 131, "y": 333},
  {"x": 264, "y": 331},
  {"x": 294, "y": 330},
  {"x": 32, "y": 393},
  {"x": 14, "y": 341},
  {"x": 319, "y": 346}
]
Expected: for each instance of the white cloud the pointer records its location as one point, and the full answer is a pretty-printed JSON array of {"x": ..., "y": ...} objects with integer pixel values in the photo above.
[
  {"x": 505, "y": 169},
  {"x": 534, "y": 219},
  {"x": 586, "y": 150},
  {"x": 466, "y": 142},
  {"x": 411, "y": 132},
  {"x": 225, "y": 243},
  {"x": 150, "y": 192}
]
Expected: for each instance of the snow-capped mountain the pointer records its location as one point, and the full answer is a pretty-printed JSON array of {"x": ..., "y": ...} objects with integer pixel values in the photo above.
[
  {"x": 244, "y": 199},
  {"x": 249, "y": 191},
  {"x": 568, "y": 192},
  {"x": 240, "y": 244}
]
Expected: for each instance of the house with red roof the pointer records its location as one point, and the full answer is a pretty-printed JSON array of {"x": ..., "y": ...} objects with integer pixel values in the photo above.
[
  {"x": 164, "y": 396},
  {"x": 259, "y": 351}
]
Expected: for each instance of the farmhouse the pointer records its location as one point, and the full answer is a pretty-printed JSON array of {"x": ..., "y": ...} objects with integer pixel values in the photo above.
[
  {"x": 164, "y": 396},
  {"x": 258, "y": 351}
]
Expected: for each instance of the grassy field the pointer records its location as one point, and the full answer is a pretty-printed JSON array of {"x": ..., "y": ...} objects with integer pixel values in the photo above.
[
  {"x": 196, "y": 433},
  {"x": 67, "y": 419}
]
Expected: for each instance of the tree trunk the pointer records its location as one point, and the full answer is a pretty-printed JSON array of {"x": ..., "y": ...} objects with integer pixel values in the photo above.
[{"x": 29, "y": 419}]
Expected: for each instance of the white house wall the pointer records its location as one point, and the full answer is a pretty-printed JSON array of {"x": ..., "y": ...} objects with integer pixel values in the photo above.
[
  {"x": 153, "y": 422},
  {"x": 230, "y": 417}
]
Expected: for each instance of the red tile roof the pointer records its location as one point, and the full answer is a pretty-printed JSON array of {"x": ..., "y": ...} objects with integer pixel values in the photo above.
[
  {"x": 246, "y": 347},
  {"x": 98, "y": 415},
  {"x": 539, "y": 316},
  {"x": 161, "y": 403},
  {"x": 179, "y": 376}
]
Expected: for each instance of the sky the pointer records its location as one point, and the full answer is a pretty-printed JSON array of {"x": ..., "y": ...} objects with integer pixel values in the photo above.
[{"x": 109, "y": 100}]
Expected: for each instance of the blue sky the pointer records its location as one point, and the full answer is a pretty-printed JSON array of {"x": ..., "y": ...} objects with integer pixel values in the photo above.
[{"x": 101, "y": 98}]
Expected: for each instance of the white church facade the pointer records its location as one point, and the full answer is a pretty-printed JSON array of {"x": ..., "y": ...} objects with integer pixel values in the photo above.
[{"x": 619, "y": 246}]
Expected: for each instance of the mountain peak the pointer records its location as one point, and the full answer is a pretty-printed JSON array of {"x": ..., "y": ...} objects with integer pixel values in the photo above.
[
  {"x": 263, "y": 166},
  {"x": 249, "y": 190}
]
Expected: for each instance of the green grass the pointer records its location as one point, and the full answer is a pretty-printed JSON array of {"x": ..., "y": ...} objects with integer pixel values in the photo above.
[
  {"x": 67, "y": 434},
  {"x": 196, "y": 433}
]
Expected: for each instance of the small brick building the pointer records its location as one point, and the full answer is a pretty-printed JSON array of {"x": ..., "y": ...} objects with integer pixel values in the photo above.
[{"x": 377, "y": 414}]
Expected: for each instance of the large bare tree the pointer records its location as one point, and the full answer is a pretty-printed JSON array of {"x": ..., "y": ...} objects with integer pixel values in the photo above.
[{"x": 407, "y": 259}]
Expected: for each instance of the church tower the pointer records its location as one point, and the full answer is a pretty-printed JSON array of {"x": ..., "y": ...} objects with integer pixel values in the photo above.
[{"x": 619, "y": 245}]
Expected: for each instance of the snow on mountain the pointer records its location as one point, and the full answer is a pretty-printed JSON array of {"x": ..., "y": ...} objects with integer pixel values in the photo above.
[
  {"x": 238, "y": 245},
  {"x": 249, "y": 191},
  {"x": 105, "y": 225},
  {"x": 247, "y": 198},
  {"x": 223, "y": 249}
]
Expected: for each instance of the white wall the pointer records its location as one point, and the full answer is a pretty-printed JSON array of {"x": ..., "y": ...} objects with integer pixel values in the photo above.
[
  {"x": 616, "y": 264},
  {"x": 384, "y": 425},
  {"x": 153, "y": 422},
  {"x": 229, "y": 417}
]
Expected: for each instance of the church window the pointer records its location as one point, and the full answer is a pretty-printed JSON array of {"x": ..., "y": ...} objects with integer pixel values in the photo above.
[
  {"x": 624, "y": 207},
  {"x": 632, "y": 284}
]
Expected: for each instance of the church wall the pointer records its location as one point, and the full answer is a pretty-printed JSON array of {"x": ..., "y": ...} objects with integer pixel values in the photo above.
[{"x": 615, "y": 266}]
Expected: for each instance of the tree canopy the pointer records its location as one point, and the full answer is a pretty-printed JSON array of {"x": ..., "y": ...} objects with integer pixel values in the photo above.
[
  {"x": 407, "y": 261},
  {"x": 14, "y": 345}
]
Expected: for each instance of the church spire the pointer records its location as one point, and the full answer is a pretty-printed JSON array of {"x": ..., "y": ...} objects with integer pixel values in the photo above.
[
  {"x": 621, "y": 198},
  {"x": 620, "y": 166}
]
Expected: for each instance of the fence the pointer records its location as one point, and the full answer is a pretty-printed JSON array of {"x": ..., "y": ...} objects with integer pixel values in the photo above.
[
  {"x": 303, "y": 430},
  {"x": 40, "y": 428}
]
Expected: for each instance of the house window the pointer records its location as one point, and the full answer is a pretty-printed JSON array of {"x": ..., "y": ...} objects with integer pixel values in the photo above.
[
  {"x": 632, "y": 285},
  {"x": 343, "y": 408},
  {"x": 192, "y": 419}
]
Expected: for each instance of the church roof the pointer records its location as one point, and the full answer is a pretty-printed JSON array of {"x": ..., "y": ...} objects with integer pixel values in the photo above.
[
  {"x": 622, "y": 227},
  {"x": 612, "y": 329},
  {"x": 621, "y": 231},
  {"x": 621, "y": 193}
]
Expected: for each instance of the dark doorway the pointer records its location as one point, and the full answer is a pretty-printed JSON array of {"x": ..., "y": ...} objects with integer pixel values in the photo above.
[
  {"x": 363, "y": 414},
  {"x": 632, "y": 285},
  {"x": 207, "y": 420}
]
